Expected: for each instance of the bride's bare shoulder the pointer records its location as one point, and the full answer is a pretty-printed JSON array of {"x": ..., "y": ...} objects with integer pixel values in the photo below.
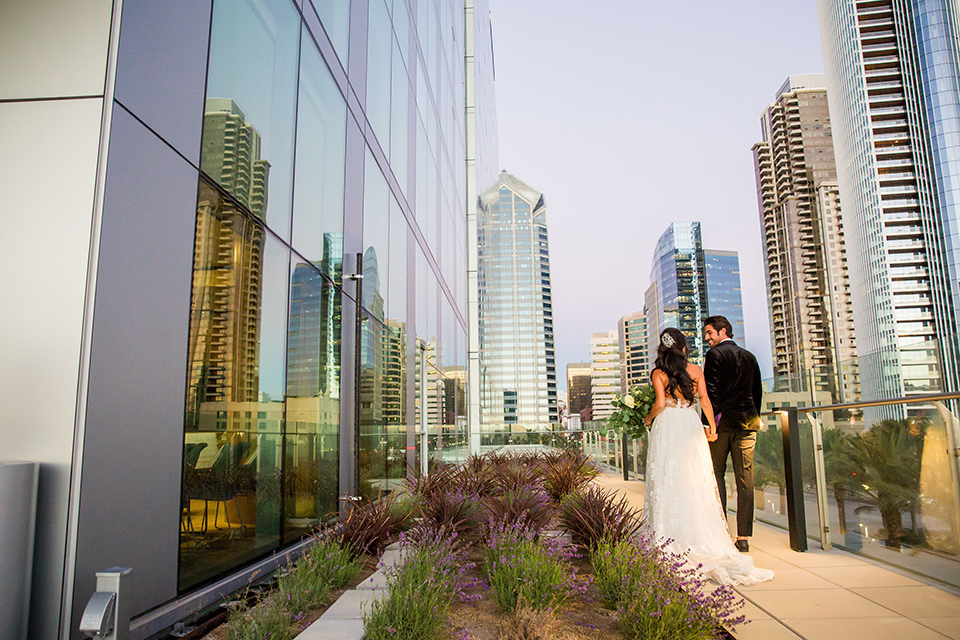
[{"x": 694, "y": 370}]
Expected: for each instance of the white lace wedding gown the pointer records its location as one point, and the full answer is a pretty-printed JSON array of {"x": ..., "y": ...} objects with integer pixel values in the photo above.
[{"x": 681, "y": 501}]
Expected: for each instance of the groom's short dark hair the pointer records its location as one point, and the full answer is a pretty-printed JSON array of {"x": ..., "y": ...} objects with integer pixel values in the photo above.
[{"x": 719, "y": 323}]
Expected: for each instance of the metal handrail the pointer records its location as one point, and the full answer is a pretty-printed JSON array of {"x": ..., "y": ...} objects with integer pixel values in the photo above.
[{"x": 872, "y": 403}]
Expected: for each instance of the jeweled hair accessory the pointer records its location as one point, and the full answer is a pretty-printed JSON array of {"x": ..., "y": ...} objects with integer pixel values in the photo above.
[{"x": 667, "y": 340}]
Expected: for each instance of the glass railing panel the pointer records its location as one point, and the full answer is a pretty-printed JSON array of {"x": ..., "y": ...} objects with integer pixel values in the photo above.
[
  {"x": 770, "y": 493},
  {"x": 892, "y": 486}
]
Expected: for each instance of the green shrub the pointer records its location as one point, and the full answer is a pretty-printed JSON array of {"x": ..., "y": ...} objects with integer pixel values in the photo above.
[
  {"x": 420, "y": 590},
  {"x": 521, "y": 571},
  {"x": 268, "y": 620},
  {"x": 618, "y": 570},
  {"x": 324, "y": 567},
  {"x": 661, "y": 597}
]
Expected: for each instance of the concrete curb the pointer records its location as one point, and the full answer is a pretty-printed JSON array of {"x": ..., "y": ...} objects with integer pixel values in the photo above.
[{"x": 344, "y": 619}]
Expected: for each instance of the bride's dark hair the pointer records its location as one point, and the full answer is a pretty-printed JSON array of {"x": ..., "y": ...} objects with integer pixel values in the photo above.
[{"x": 673, "y": 361}]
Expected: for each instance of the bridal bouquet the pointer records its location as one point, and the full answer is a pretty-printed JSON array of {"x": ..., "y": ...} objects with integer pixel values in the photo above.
[{"x": 631, "y": 409}]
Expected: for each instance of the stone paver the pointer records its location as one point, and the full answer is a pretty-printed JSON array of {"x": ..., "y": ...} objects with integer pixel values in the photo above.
[
  {"x": 914, "y": 602},
  {"x": 768, "y": 629},
  {"x": 333, "y": 629},
  {"x": 949, "y": 627},
  {"x": 865, "y": 576},
  {"x": 376, "y": 581},
  {"x": 873, "y": 628},
  {"x": 352, "y": 604}
]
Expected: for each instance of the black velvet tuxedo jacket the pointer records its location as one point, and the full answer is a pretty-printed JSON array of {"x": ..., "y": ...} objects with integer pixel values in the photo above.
[{"x": 733, "y": 384}]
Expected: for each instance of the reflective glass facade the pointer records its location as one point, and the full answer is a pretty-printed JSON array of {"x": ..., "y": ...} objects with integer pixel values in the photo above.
[
  {"x": 892, "y": 88},
  {"x": 275, "y": 295},
  {"x": 515, "y": 311},
  {"x": 677, "y": 296},
  {"x": 283, "y": 214},
  {"x": 724, "y": 297}
]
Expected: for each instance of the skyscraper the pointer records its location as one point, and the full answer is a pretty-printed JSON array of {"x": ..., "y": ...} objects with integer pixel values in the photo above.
[
  {"x": 687, "y": 285},
  {"x": 231, "y": 154},
  {"x": 892, "y": 82},
  {"x": 578, "y": 387},
  {"x": 811, "y": 321},
  {"x": 516, "y": 308},
  {"x": 724, "y": 297},
  {"x": 677, "y": 296},
  {"x": 634, "y": 365},
  {"x": 604, "y": 373}
]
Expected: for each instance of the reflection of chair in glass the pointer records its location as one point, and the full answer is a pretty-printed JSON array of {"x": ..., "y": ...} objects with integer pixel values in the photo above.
[
  {"x": 221, "y": 483},
  {"x": 191, "y": 455}
]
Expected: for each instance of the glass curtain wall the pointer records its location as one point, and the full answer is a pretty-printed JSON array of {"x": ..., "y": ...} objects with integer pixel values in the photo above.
[{"x": 275, "y": 223}]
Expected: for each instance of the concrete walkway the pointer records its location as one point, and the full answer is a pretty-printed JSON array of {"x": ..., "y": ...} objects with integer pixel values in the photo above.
[
  {"x": 344, "y": 619},
  {"x": 825, "y": 595}
]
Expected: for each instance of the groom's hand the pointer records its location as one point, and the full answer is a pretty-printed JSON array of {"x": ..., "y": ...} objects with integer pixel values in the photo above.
[{"x": 711, "y": 434}]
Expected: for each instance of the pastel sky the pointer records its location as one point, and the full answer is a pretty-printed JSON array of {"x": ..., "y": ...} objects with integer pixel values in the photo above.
[{"x": 629, "y": 115}]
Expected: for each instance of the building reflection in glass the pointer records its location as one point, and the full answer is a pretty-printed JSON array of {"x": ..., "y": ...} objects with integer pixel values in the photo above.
[
  {"x": 383, "y": 387},
  {"x": 313, "y": 395},
  {"x": 261, "y": 445},
  {"x": 230, "y": 486}
]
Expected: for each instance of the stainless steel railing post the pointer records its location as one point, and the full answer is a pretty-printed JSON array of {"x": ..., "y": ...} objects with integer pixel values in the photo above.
[{"x": 820, "y": 471}]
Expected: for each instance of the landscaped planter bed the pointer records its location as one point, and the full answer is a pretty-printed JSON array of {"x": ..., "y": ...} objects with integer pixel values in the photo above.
[{"x": 488, "y": 553}]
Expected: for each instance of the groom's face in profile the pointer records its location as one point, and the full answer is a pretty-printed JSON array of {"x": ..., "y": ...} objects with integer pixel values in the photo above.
[{"x": 712, "y": 337}]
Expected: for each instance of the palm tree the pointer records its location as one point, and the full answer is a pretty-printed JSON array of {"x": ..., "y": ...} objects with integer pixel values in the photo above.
[
  {"x": 886, "y": 460},
  {"x": 838, "y": 471},
  {"x": 768, "y": 462}
]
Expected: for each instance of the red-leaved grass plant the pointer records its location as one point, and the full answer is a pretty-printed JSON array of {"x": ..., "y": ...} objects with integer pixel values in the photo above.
[
  {"x": 368, "y": 526},
  {"x": 567, "y": 471},
  {"x": 593, "y": 514},
  {"x": 525, "y": 506}
]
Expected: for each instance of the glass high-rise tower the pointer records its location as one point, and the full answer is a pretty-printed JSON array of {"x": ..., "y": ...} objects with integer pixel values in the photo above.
[
  {"x": 515, "y": 309},
  {"x": 724, "y": 297},
  {"x": 677, "y": 296},
  {"x": 688, "y": 284},
  {"x": 893, "y": 83}
]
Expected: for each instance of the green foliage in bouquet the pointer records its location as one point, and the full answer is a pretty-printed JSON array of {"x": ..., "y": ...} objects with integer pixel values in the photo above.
[{"x": 631, "y": 409}]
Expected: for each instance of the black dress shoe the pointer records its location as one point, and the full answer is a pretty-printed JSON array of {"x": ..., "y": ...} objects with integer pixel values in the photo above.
[{"x": 743, "y": 546}]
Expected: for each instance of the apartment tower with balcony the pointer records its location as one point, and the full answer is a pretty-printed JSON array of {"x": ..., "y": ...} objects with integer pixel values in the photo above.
[
  {"x": 893, "y": 85},
  {"x": 811, "y": 319},
  {"x": 604, "y": 373}
]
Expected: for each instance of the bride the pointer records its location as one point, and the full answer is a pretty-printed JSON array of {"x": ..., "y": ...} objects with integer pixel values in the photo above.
[{"x": 681, "y": 501}]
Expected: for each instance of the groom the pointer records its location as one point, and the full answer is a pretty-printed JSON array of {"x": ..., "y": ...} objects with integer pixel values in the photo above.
[{"x": 733, "y": 384}]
